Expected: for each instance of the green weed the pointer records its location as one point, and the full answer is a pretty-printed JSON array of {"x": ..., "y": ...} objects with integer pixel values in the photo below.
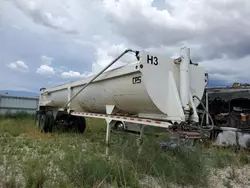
[
  {"x": 34, "y": 172},
  {"x": 89, "y": 169},
  {"x": 17, "y": 126},
  {"x": 78, "y": 160}
]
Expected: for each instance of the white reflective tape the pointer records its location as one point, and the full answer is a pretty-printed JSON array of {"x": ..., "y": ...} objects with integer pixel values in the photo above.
[{"x": 126, "y": 119}]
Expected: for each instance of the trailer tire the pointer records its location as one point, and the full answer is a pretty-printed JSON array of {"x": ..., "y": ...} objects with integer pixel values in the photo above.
[
  {"x": 81, "y": 125},
  {"x": 38, "y": 117},
  {"x": 50, "y": 123},
  {"x": 44, "y": 123},
  {"x": 119, "y": 126}
]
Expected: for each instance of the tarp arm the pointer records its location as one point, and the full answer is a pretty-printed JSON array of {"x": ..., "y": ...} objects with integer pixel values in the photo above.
[{"x": 115, "y": 60}]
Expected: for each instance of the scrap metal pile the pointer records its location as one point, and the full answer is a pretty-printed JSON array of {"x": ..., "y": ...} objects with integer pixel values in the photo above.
[{"x": 229, "y": 108}]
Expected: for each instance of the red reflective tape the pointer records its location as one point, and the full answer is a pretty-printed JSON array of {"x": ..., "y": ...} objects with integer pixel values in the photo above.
[{"x": 118, "y": 117}]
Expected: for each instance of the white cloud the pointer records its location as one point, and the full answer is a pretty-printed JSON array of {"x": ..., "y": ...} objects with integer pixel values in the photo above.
[
  {"x": 45, "y": 60},
  {"x": 19, "y": 66},
  {"x": 38, "y": 11},
  {"x": 15, "y": 26},
  {"x": 228, "y": 70},
  {"x": 106, "y": 53},
  {"x": 72, "y": 75},
  {"x": 45, "y": 70},
  {"x": 145, "y": 25},
  {"x": 209, "y": 26},
  {"x": 215, "y": 30}
]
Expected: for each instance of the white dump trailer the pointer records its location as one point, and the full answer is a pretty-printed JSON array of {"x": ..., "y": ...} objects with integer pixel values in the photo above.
[{"x": 155, "y": 90}]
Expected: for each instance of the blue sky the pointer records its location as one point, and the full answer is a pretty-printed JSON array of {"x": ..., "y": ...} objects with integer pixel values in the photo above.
[{"x": 45, "y": 43}]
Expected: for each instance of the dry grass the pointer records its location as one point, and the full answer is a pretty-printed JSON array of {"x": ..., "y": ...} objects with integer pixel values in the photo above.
[{"x": 29, "y": 158}]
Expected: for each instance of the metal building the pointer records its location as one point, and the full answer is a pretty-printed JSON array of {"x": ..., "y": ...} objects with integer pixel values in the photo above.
[{"x": 13, "y": 104}]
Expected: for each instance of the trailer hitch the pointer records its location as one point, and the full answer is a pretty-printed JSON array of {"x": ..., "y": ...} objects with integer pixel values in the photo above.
[{"x": 115, "y": 60}]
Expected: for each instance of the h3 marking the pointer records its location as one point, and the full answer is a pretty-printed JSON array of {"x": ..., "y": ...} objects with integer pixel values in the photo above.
[{"x": 153, "y": 60}]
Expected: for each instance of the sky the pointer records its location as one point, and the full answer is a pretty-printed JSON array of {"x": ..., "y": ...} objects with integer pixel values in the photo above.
[{"x": 44, "y": 43}]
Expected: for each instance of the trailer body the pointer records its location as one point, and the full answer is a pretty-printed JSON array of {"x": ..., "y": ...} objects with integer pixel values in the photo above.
[
  {"x": 156, "y": 90},
  {"x": 153, "y": 90}
]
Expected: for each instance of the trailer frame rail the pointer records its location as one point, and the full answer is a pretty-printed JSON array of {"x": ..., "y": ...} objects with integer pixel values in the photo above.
[{"x": 130, "y": 119}]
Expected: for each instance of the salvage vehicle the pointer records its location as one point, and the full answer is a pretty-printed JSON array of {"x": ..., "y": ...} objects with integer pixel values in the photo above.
[{"x": 229, "y": 107}]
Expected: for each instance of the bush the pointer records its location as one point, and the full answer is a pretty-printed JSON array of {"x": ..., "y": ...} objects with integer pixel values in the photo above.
[
  {"x": 90, "y": 170},
  {"x": 18, "y": 115},
  {"x": 179, "y": 165}
]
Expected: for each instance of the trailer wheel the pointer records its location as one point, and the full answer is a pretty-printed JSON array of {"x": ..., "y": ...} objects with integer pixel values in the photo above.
[
  {"x": 38, "y": 117},
  {"x": 79, "y": 123},
  {"x": 119, "y": 126},
  {"x": 44, "y": 123},
  {"x": 50, "y": 122}
]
